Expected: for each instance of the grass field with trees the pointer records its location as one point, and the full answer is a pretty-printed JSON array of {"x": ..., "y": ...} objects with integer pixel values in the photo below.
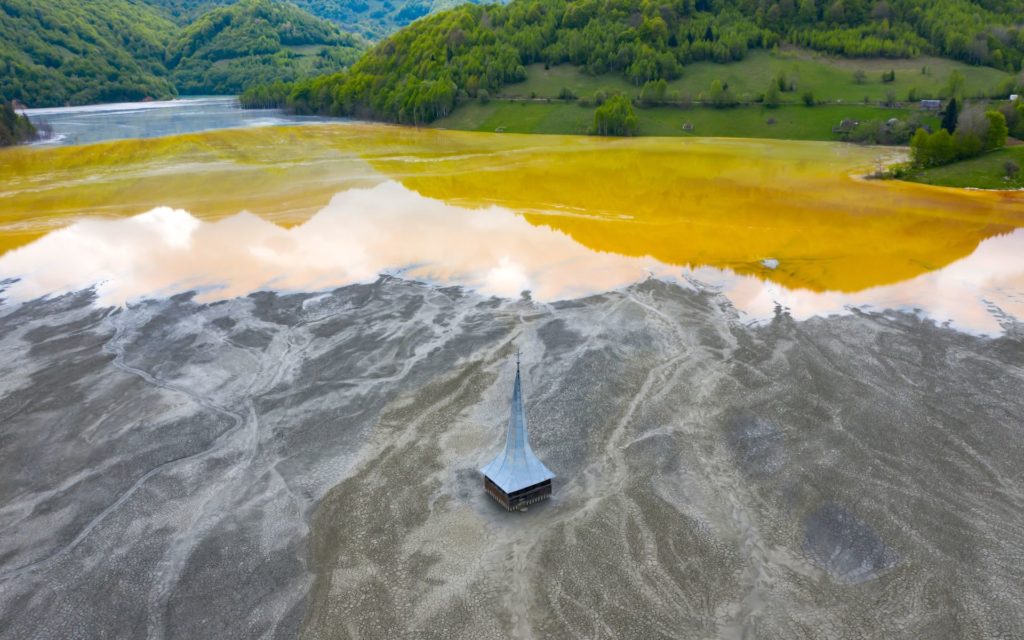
[
  {"x": 968, "y": 148},
  {"x": 790, "y": 122},
  {"x": 1000, "y": 169}
]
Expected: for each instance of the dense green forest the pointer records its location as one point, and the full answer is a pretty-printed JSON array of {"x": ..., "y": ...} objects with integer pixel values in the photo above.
[
  {"x": 86, "y": 51},
  {"x": 14, "y": 128},
  {"x": 371, "y": 19},
  {"x": 416, "y": 75},
  {"x": 185, "y": 11},
  {"x": 375, "y": 19},
  {"x": 82, "y": 51},
  {"x": 253, "y": 41}
]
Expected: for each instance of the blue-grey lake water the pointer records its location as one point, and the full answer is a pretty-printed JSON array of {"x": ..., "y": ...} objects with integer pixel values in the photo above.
[{"x": 96, "y": 123}]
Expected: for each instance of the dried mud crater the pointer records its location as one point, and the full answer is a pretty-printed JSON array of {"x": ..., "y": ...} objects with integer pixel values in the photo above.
[{"x": 283, "y": 466}]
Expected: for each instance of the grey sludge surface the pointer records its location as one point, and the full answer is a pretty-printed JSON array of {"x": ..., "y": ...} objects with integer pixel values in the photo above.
[{"x": 303, "y": 466}]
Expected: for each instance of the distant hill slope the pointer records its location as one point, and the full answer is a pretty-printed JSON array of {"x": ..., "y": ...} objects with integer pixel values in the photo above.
[
  {"x": 82, "y": 51},
  {"x": 228, "y": 48},
  {"x": 185, "y": 11},
  {"x": 376, "y": 18},
  {"x": 87, "y": 51},
  {"x": 372, "y": 19},
  {"x": 416, "y": 74}
]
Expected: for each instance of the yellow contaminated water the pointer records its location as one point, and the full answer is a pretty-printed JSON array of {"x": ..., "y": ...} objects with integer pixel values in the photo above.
[{"x": 694, "y": 202}]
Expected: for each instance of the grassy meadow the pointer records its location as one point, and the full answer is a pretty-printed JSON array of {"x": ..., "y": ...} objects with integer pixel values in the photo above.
[
  {"x": 791, "y": 122},
  {"x": 533, "y": 106},
  {"x": 984, "y": 172},
  {"x": 829, "y": 79}
]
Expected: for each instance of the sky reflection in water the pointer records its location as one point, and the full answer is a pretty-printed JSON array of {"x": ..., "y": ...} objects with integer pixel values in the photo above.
[
  {"x": 560, "y": 217},
  {"x": 390, "y": 229}
]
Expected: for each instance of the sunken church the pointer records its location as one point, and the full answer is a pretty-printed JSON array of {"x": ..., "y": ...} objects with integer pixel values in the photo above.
[{"x": 516, "y": 478}]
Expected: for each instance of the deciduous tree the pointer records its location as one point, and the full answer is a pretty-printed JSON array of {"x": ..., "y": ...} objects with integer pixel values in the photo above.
[
  {"x": 615, "y": 117},
  {"x": 995, "y": 137}
]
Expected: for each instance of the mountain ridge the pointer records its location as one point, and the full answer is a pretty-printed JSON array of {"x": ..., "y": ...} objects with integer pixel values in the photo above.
[
  {"x": 416, "y": 75},
  {"x": 231, "y": 47},
  {"x": 372, "y": 19},
  {"x": 92, "y": 51},
  {"x": 82, "y": 51}
]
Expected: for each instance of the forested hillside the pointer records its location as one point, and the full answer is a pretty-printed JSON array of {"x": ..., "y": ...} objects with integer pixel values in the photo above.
[
  {"x": 415, "y": 75},
  {"x": 375, "y": 18},
  {"x": 185, "y": 11},
  {"x": 86, "y": 51},
  {"x": 82, "y": 51},
  {"x": 252, "y": 41},
  {"x": 372, "y": 19},
  {"x": 14, "y": 128}
]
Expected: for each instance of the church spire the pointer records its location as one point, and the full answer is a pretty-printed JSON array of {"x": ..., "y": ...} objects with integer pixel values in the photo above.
[
  {"x": 516, "y": 472},
  {"x": 517, "y": 443}
]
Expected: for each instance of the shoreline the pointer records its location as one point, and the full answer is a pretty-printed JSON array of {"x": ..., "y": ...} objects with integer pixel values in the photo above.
[{"x": 59, "y": 138}]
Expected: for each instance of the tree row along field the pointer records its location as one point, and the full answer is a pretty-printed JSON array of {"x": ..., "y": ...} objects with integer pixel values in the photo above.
[
  {"x": 829, "y": 78},
  {"x": 787, "y": 122}
]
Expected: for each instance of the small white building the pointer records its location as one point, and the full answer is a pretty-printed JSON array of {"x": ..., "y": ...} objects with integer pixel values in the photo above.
[{"x": 1014, "y": 97}]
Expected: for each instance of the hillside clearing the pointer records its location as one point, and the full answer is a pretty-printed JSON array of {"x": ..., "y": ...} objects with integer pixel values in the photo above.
[{"x": 830, "y": 79}]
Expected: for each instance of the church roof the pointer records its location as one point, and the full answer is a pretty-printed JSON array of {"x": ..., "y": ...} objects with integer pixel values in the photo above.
[{"x": 516, "y": 467}]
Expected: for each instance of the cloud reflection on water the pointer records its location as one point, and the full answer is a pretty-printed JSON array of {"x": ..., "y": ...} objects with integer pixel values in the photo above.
[
  {"x": 974, "y": 293},
  {"x": 390, "y": 229},
  {"x": 360, "y": 234}
]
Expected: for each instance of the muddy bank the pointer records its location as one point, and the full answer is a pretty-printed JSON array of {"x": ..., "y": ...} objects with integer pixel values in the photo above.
[{"x": 305, "y": 466}]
